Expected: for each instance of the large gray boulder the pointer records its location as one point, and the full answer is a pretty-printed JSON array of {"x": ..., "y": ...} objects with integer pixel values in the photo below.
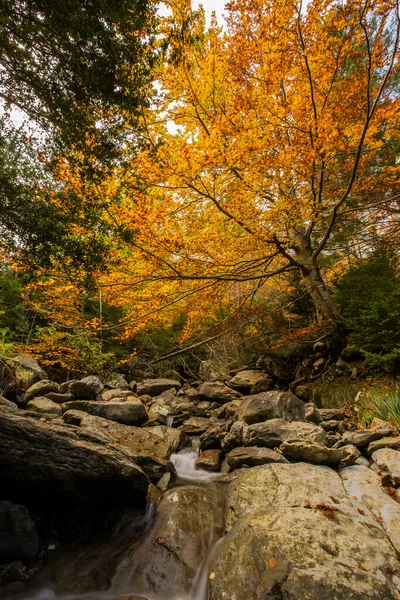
[
  {"x": 44, "y": 406},
  {"x": 274, "y": 432},
  {"x": 52, "y": 462},
  {"x": 319, "y": 454},
  {"x": 87, "y": 388},
  {"x": 40, "y": 388},
  {"x": 271, "y": 405},
  {"x": 155, "y": 387},
  {"x": 294, "y": 533},
  {"x": 166, "y": 559},
  {"x": 218, "y": 392},
  {"x": 18, "y": 538},
  {"x": 387, "y": 442},
  {"x": 251, "y": 381},
  {"x": 363, "y": 437},
  {"x": 130, "y": 412}
]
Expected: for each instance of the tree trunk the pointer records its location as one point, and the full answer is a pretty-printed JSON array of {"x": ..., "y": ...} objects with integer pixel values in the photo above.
[{"x": 314, "y": 283}]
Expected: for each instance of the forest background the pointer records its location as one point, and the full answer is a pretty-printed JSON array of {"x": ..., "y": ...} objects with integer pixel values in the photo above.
[{"x": 182, "y": 191}]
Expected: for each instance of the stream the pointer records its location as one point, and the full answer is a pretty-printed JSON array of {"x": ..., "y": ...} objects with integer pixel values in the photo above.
[{"x": 128, "y": 581}]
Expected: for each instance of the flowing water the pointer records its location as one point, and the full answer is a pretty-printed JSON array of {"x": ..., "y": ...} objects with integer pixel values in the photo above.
[{"x": 109, "y": 559}]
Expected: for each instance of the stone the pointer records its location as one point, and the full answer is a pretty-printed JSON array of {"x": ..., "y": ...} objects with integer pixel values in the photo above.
[
  {"x": 66, "y": 464},
  {"x": 211, "y": 439},
  {"x": 164, "y": 482},
  {"x": 65, "y": 388},
  {"x": 364, "y": 488},
  {"x": 234, "y": 438},
  {"x": 131, "y": 412},
  {"x": 41, "y": 388},
  {"x": 44, "y": 406},
  {"x": 17, "y": 374},
  {"x": 195, "y": 425},
  {"x": 294, "y": 533},
  {"x": 362, "y": 438},
  {"x": 210, "y": 460},
  {"x": 74, "y": 417},
  {"x": 320, "y": 455},
  {"x": 333, "y": 414},
  {"x": 331, "y": 425},
  {"x": 155, "y": 387},
  {"x": 59, "y": 398},
  {"x": 386, "y": 442},
  {"x": 387, "y": 461},
  {"x": 304, "y": 392},
  {"x": 18, "y": 537},
  {"x": 227, "y": 411},
  {"x": 174, "y": 438},
  {"x": 218, "y": 392},
  {"x": 113, "y": 394},
  {"x": 274, "y": 432},
  {"x": 149, "y": 451},
  {"x": 379, "y": 423},
  {"x": 271, "y": 405},
  {"x": 167, "y": 558},
  {"x": 253, "y": 457},
  {"x": 312, "y": 414},
  {"x": 246, "y": 381},
  {"x": 87, "y": 388},
  {"x": 279, "y": 368}
]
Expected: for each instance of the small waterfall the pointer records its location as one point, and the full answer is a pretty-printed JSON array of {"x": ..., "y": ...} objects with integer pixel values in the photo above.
[{"x": 185, "y": 465}]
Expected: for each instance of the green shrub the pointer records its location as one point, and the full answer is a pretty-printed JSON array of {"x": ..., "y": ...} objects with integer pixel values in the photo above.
[{"x": 369, "y": 300}]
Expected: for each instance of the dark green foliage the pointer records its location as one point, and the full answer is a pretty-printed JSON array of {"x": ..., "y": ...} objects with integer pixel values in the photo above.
[
  {"x": 369, "y": 300},
  {"x": 69, "y": 63},
  {"x": 14, "y": 319}
]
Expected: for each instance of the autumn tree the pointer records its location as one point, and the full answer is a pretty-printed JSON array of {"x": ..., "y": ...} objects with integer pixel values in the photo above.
[{"x": 276, "y": 143}]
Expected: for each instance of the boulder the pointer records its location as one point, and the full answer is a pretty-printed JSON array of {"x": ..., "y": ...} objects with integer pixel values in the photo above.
[
  {"x": 65, "y": 464},
  {"x": 166, "y": 559},
  {"x": 293, "y": 533},
  {"x": 253, "y": 457},
  {"x": 131, "y": 412},
  {"x": 210, "y": 460},
  {"x": 18, "y": 538},
  {"x": 274, "y": 432},
  {"x": 87, "y": 388},
  {"x": 195, "y": 425},
  {"x": 218, "y": 392},
  {"x": 251, "y": 381},
  {"x": 44, "y": 406},
  {"x": 155, "y": 387},
  {"x": 174, "y": 438},
  {"x": 211, "y": 439},
  {"x": 40, "y": 388},
  {"x": 117, "y": 394},
  {"x": 333, "y": 414},
  {"x": 149, "y": 451},
  {"x": 271, "y": 405},
  {"x": 362, "y": 438},
  {"x": 387, "y": 442},
  {"x": 387, "y": 461},
  {"x": 364, "y": 488},
  {"x": 74, "y": 417},
  {"x": 17, "y": 374},
  {"x": 320, "y": 455},
  {"x": 227, "y": 411},
  {"x": 234, "y": 438},
  {"x": 312, "y": 414},
  {"x": 7, "y": 403},
  {"x": 59, "y": 398}
]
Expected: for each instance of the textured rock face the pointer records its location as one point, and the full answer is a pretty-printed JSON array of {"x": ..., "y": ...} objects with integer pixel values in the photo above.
[
  {"x": 294, "y": 533},
  {"x": 218, "y": 392},
  {"x": 155, "y": 387},
  {"x": 65, "y": 462},
  {"x": 130, "y": 412},
  {"x": 320, "y": 455},
  {"x": 271, "y": 405},
  {"x": 18, "y": 539},
  {"x": 362, "y": 438},
  {"x": 41, "y": 388},
  {"x": 392, "y": 442},
  {"x": 176, "y": 439},
  {"x": 167, "y": 558},
  {"x": 210, "y": 460},
  {"x": 274, "y": 432}
]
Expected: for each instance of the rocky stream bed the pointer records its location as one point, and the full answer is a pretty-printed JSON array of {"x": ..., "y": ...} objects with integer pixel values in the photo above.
[{"x": 215, "y": 490}]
